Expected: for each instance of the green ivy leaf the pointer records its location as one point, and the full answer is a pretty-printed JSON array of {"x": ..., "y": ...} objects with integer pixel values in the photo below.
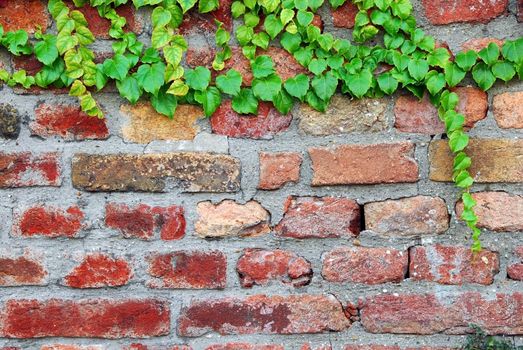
[
  {"x": 229, "y": 83},
  {"x": 129, "y": 88},
  {"x": 504, "y": 71},
  {"x": 458, "y": 140},
  {"x": 164, "y": 103},
  {"x": 46, "y": 51},
  {"x": 205, "y": 6},
  {"x": 186, "y": 5},
  {"x": 116, "y": 67},
  {"x": 267, "y": 88},
  {"x": 297, "y": 86},
  {"x": 290, "y": 42},
  {"x": 261, "y": 39},
  {"x": 245, "y": 102},
  {"x": 210, "y": 99},
  {"x": 418, "y": 68},
  {"x": 387, "y": 83},
  {"x": 453, "y": 74},
  {"x": 151, "y": 77},
  {"x": 359, "y": 83},
  {"x": 489, "y": 54},
  {"x": 273, "y": 25},
  {"x": 317, "y": 66},
  {"x": 283, "y": 102},
  {"x": 198, "y": 78},
  {"x": 513, "y": 50},
  {"x": 262, "y": 66},
  {"x": 483, "y": 76},
  {"x": 466, "y": 60},
  {"x": 325, "y": 85},
  {"x": 439, "y": 57},
  {"x": 316, "y": 102}
]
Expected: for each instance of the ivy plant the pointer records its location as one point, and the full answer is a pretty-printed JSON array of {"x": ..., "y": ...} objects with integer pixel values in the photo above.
[{"x": 404, "y": 58}]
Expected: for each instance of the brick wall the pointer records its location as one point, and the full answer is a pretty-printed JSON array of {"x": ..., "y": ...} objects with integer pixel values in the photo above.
[{"x": 308, "y": 231}]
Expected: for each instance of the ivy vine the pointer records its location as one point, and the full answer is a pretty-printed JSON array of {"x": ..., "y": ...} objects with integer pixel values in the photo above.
[{"x": 411, "y": 58}]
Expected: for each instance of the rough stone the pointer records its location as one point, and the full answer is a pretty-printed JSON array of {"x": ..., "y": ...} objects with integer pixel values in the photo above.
[
  {"x": 277, "y": 169},
  {"x": 146, "y": 125},
  {"x": 495, "y": 160},
  {"x": 414, "y": 216},
  {"x": 452, "y": 11},
  {"x": 229, "y": 218},
  {"x": 508, "y": 110},
  {"x": 9, "y": 122},
  {"x": 193, "y": 172},
  {"x": 344, "y": 116}
]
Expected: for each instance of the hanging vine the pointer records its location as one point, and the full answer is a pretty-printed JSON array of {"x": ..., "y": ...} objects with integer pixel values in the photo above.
[{"x": 334, "y": 64}]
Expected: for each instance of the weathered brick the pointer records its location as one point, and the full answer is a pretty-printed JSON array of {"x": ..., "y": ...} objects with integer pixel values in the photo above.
[
  {"x": 71, "y": 347},
  {"x": 192, "y": 172},
  {"x": 320, "y": 347},
  {"x": 345, "y": 15},
  {"x": 22, "y": 271},
  {"x": 260, "y": 267},
  {"x": 49, "y": 221},
  {"x": 413, "y": 216},
  {"x": 146, "y": 125},
  {"x": 100, "y": 318},
  {"x": 508, "y": 110},
  {"x": 137, "y": 346},
  {"x": 415, "y": 116},
  {"x": 9, "y": 122},
  {"x": 229, "y": 218},
  {"x": 195, "y": 22},
  {"x": 146, "y": 222},
  {"x": 449, "y": 313},
  {"x": 494, "y": 160},
  {"x": 23, "y": 14},
  {"x": 445, "y": 11},
  {"x": 497, "y": 211},
  {"x": 99, "y": 270},
  {"x": 478, "y": 44},
  {"x": 452, "y": 265},
  {"x": 515, "y": 270},
  {"x": 100, "y": 26},
  {"x": 264, "y": 125},
  {"x": 243, "y": 346},
  {"x": 314, "y": 217},
  {"x": 27, "y": 169},
  {"x": 365, "y": 265},
  {"x": 67, "y": 122},
  {"x": 520, "y": 11},
  {"x": 344, "y": 116},
  {"x": 187, "y": 270},
  {"x": 364, "y": 164},
  {"x": 291, "y": 314},
  {"x": 277, "y": 169}
]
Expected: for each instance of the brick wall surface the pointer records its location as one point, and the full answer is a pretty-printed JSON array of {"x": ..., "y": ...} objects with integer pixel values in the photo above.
[{"x": 309, "y": 231}]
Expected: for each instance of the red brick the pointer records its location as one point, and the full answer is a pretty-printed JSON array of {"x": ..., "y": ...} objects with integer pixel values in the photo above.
[
  {"x": 23, "y": 14},
  {"x": 449, "y": 313},
  {"x": 453, "y": 265},
  {"x": 99, "y": 270},
  {"x": 145, "y": 222},
  {"x": 345, "y": 15},
  {"x": 412, "y": 216},
  {"x": 277, "y": 169},
  {"x": 264, "y": 125},
  {"x": 100, "y": 26},
  {"x": 188, "y": 270},
  {"x": 243, "y": 346},
  {"x": 291, "y": 314},
  {"x": 497, "y": 211},
  {"x": 100, "y": 318},
  {"x": 452, "y": 11},
  {"x": 137, "y": 346},
  {"x": 229, "y": 218},
  {"x": 320, "y": 347},
  {"x": 71, "y": 347},
  {"x": 508, "y": 110},
  {"x": 22, "y": 271},
  {"x": 285, "y": 64},
  {"x": 49, "y": 221},
  {"x": 515, "y": 271},
  {"x": 194, "y": 22},
  {"x": 364, "y": 164},
  {"x": 260, "y": 267},
  {"x": 314, "y": 217},
  {"x": 27, "y": 169},
  {"x": 415, "y": 116},
  {"x": 67, "y": 122},
  {"x": 477, "y": 44},
  {"x": 520, "y": 11},
  {"x": 365, "y": 265}
]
